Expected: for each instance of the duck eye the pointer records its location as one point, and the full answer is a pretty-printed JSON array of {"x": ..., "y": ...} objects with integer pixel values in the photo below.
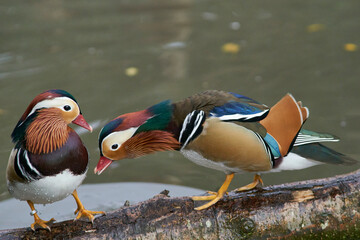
[
  {"x": 115, "y": 146},
  {"x": 67, "y": 108}
]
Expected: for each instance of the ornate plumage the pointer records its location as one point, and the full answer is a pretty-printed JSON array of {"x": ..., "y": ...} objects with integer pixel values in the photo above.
[
  {"x": 224, "y": 131},
  {"x": 49, "y": 160},
  {"x": 47, "y": 133}
]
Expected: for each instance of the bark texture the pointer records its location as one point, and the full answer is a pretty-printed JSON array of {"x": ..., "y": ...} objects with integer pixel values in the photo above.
[{"x": 324, "y": 208}]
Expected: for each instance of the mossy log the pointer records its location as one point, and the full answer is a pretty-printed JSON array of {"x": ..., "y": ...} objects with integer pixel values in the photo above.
[{"x": 324, "y": 208}]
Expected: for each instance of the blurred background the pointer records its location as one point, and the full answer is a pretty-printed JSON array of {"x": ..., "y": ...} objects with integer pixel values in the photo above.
[{"x": 123, "y": 56}]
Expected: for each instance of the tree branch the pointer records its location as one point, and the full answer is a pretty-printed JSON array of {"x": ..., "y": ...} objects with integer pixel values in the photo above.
[{"x": 323, "y": 207}]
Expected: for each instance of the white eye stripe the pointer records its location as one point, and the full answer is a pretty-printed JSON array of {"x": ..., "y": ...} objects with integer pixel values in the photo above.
[
  {"x": 118, "y": 138},
  {"x": 58, "y": 102}
]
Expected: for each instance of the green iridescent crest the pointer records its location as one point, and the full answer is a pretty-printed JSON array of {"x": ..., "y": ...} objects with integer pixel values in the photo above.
[{"x": 162, "y": 113}]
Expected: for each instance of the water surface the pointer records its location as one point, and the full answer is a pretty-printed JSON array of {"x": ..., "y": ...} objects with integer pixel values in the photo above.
[{"x": 85, "y": 48}]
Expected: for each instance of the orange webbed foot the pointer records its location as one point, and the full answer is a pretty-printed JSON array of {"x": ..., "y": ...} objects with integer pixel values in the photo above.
[
  {"x": 208, "y": 197},
  {"x": 41, "y": 224},
  {"x": 82, "y": 213},
  {"x": 256, "y": 182},
  {"x": 215, "y": 196},
  {"x": 38, "y": 222}
]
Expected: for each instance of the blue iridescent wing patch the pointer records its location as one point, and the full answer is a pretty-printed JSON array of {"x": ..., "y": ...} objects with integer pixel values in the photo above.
[{"x": 245, "y": 109}]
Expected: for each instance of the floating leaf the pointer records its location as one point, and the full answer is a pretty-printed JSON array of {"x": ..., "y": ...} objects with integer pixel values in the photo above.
[
  {"x": 350, "y": 47},
  {"x": 2, "y": 111},
  {"x": 230, "y": 48},
  {"x": 131, "y": 71},
  {"x": 316, "y": 27}
]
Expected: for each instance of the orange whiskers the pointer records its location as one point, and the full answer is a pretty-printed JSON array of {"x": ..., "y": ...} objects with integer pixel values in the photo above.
[
  {"x": 148, "y": 142},
  {"x": 47, "y": 132}
]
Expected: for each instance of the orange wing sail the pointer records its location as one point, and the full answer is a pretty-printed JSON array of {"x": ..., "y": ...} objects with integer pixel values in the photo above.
[{"x": 284, "y": 122}]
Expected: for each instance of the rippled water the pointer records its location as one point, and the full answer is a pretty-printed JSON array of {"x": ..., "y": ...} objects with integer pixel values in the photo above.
[{"x": 122, "y": 56}]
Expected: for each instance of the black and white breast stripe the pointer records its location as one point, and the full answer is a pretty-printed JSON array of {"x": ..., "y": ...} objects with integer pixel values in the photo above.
[
  {"x": 23, "y": 166},
  {"x": 267, "y": 148},
  {"x": 192, "y": 127}
]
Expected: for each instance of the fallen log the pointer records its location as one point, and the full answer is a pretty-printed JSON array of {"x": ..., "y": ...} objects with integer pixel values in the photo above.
[{"x": 324, "y": 208}]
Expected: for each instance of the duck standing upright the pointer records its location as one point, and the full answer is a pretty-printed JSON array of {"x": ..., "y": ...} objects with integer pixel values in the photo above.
[
  {"x": 223, "y": 131},
  {"x": 49, "y": 160}
]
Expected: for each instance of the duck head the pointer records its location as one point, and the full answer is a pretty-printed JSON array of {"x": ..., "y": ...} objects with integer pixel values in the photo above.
[{"x": 136, "y": 134}]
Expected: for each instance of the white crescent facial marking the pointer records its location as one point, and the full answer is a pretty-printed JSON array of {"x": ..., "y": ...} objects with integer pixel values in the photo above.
[
  {"x": 118, "y": 138},
  {"x": 57, "y": 102}
]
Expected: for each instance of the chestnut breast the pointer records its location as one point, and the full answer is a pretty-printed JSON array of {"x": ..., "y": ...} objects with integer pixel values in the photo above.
[{"x": 72, "y": 155}]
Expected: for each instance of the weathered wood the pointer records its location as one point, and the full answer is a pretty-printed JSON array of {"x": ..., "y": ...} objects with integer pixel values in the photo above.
[{"x": 315, "y": 208}]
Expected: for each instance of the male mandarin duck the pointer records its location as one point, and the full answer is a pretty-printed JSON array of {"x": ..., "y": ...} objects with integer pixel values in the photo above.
[
  {"x": 49, "y": 160},
  {"x": 223, "y": 131}
]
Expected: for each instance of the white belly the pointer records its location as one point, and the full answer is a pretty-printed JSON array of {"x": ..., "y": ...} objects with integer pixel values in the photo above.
[
  {"x": 200, "y": 160},
  {"x": 48, "y": 189}
]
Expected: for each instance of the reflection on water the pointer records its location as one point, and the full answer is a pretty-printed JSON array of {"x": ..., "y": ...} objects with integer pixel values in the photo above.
[{"x": 86, "y": 46}]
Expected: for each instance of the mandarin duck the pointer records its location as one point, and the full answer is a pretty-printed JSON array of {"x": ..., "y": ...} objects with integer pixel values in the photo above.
[
  {"x": 223, "y": 131},
  {"x": 49, "y": 160}
]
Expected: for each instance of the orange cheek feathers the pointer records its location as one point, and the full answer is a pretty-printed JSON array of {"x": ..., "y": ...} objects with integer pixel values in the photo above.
[{"x": 115, "y": 155}]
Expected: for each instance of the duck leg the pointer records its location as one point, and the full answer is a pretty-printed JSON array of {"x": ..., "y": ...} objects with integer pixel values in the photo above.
[
  {"x": 38, "y": 222},
  {"x": 215, "y": 197},
  {"x": 81, "y": 211},
  {"x": 257, "y": 181}
]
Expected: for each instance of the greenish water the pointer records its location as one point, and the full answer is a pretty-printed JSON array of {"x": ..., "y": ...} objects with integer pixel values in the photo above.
[{"x": 85, "y": 48}]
